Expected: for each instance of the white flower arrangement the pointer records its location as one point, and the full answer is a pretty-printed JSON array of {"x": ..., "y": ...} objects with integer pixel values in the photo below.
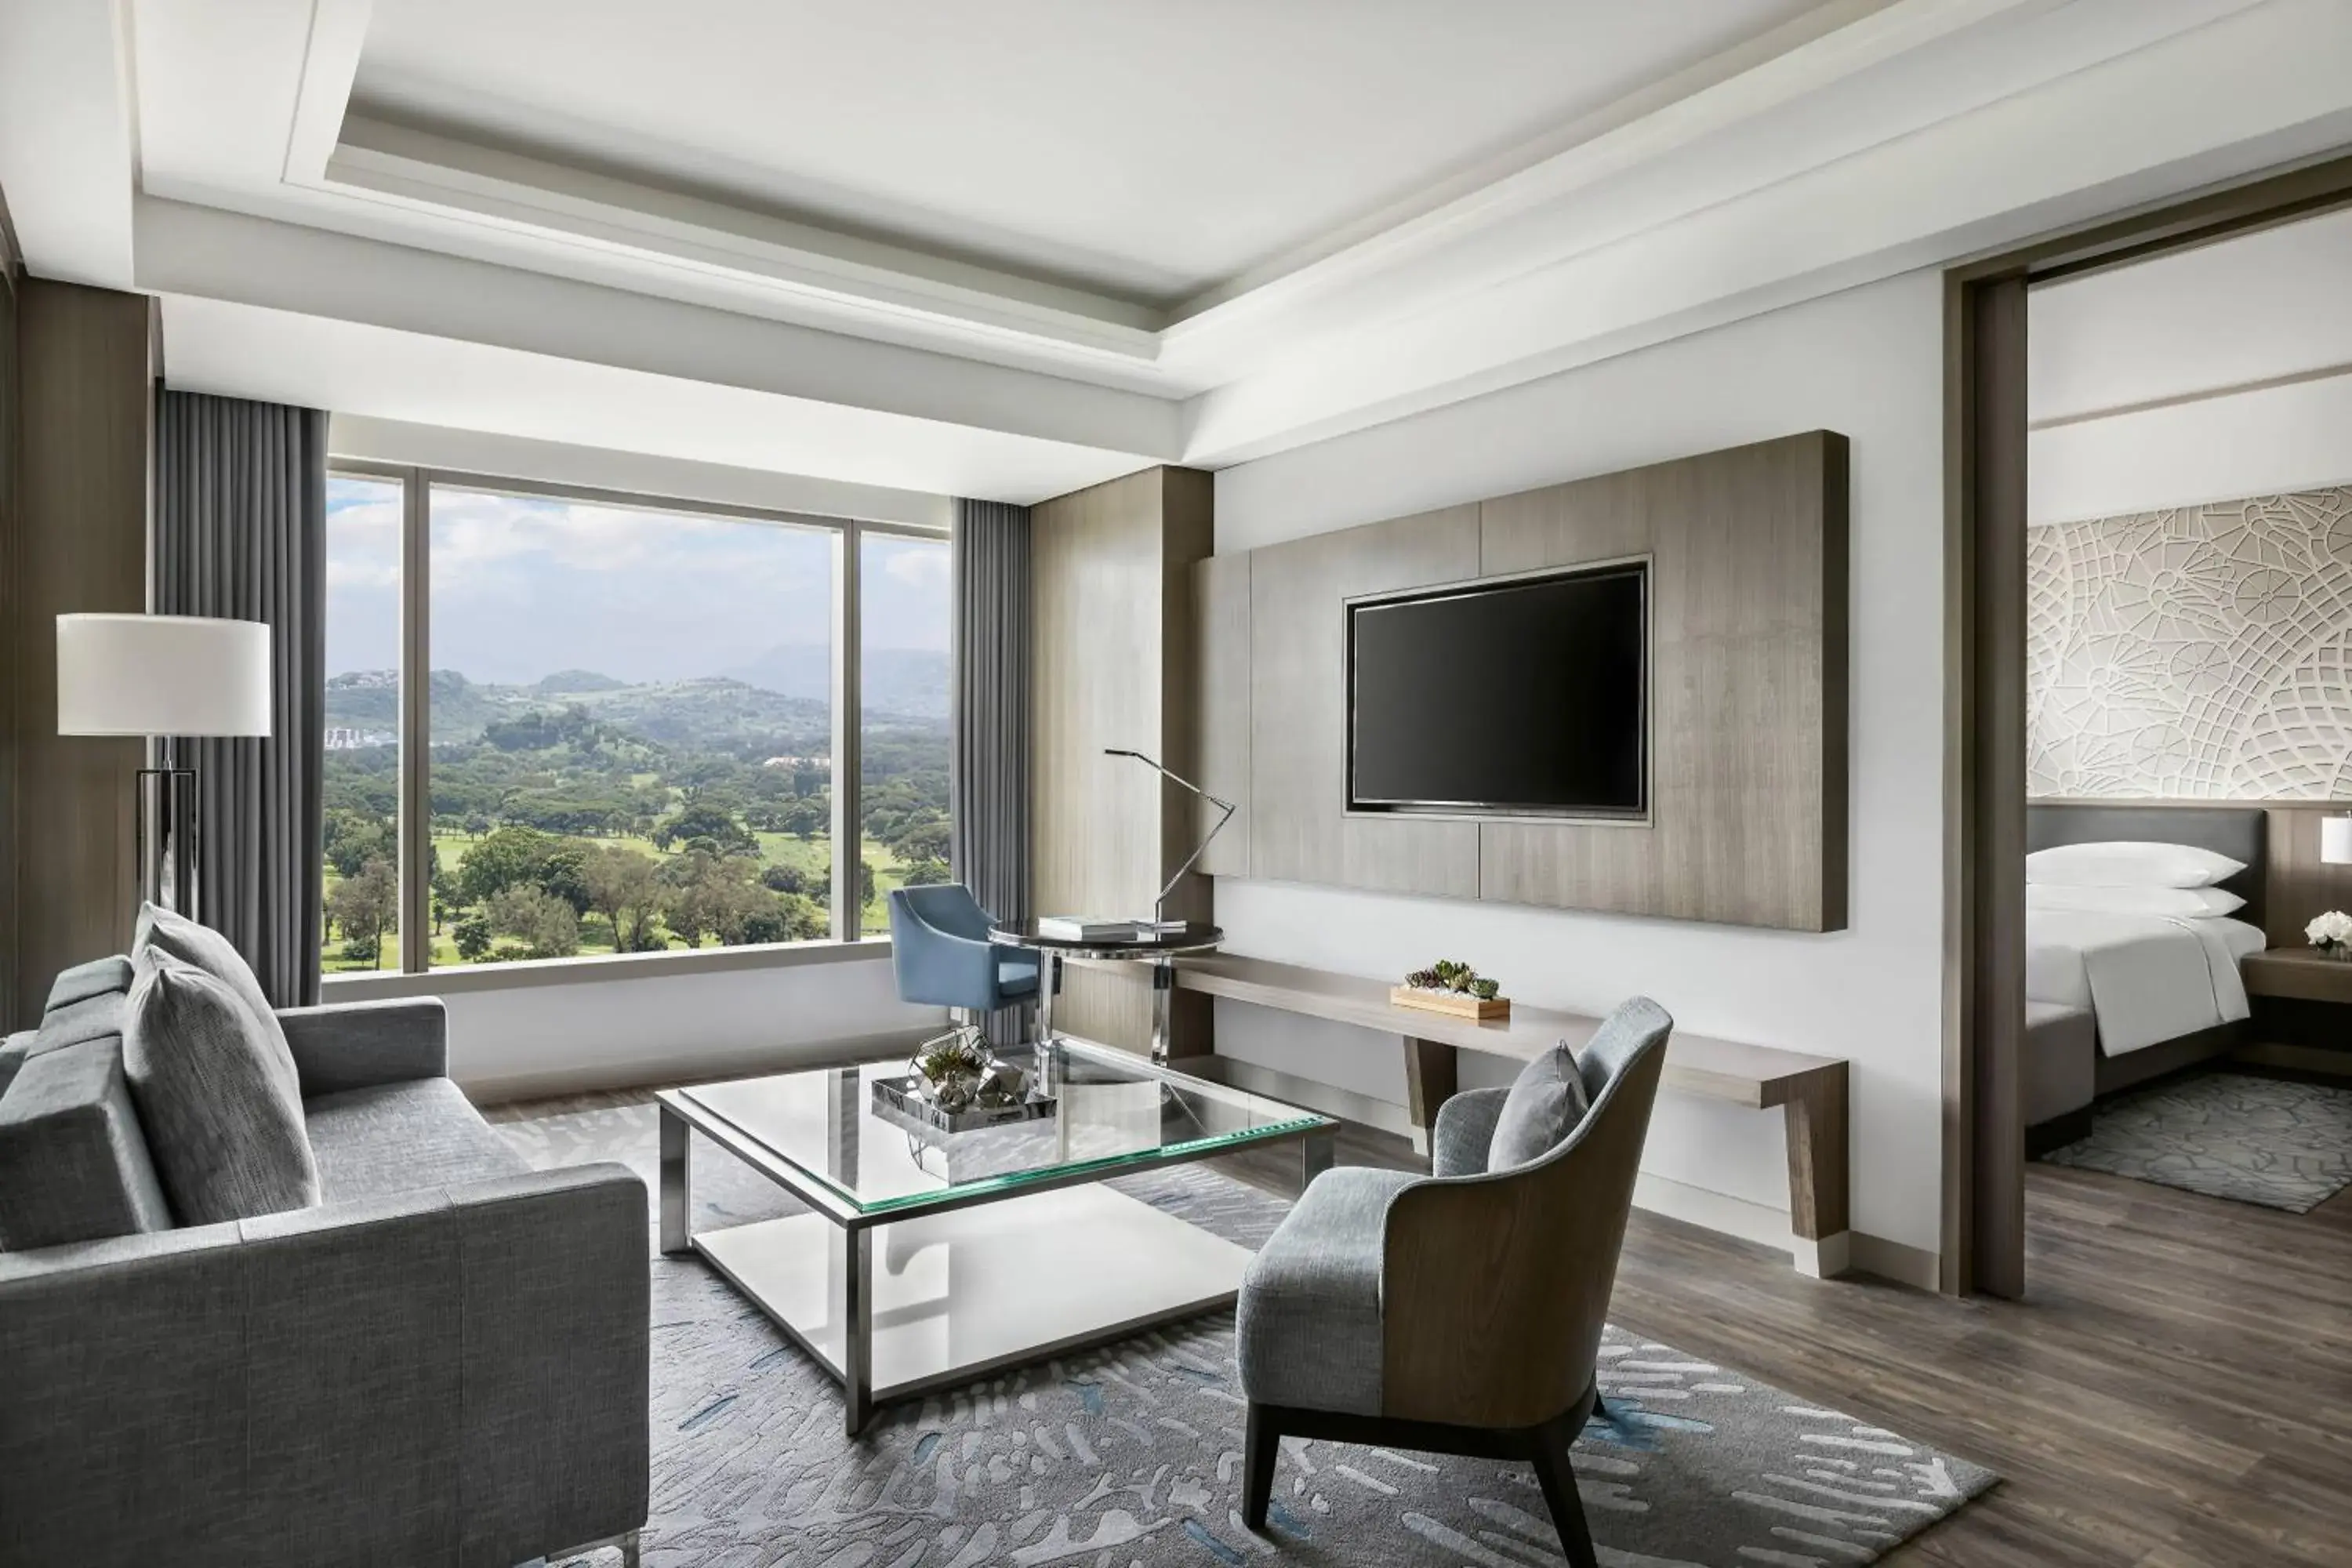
[{"x": 2331, "y": 932}]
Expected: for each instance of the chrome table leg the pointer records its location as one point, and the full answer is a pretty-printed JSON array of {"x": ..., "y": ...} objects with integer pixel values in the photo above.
[
  {"x": 1317, "y": 1151},
  {"x": 857, "y": 1332},
  {"x": 677, "y": 1185}
]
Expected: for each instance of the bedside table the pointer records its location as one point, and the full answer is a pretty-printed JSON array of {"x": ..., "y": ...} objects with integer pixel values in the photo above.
[
  {"x": 2298, "y": 972},
  {"x": 2303, "y": 1011}
]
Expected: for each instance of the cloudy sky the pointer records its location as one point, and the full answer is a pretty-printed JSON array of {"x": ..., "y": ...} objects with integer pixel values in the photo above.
[{"x": 522, "y": 588}]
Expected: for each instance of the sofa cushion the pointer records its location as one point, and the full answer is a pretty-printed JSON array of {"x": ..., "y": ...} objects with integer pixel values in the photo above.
[
  {"x": 73, "y": 1159},
  {"x": 398, "y": 1137},
  {"x": 13, "y": 1051},
  {"x": 99, "y": 977},
  {"x": 213, "y": 953},
  {"x": 1545, "y": 1102},
  {"x": 216, "y": 1094},
  {"x": 86, "y": 1018}
]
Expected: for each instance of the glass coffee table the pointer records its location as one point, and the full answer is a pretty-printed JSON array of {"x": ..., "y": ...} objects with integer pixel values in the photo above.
[{"x": 926, "y": 1258}]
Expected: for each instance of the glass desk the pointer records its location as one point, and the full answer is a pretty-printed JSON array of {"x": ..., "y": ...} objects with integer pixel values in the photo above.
[{"x": 928, "y": 1258}]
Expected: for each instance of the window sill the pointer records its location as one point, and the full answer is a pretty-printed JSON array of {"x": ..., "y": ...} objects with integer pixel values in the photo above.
[{"x": 600, "y": 969}]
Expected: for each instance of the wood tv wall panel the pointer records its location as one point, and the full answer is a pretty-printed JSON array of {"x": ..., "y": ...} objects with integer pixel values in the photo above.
[{"x": 1748, "y": 823}]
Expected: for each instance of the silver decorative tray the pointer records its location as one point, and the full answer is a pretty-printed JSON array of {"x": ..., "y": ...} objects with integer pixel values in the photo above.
[{"x": 899, "y": 1101}]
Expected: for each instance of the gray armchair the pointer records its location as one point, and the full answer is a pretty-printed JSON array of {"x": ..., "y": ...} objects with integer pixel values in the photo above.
[
  {"x": 444, "y": 1363},
  {"x": 1459, "y": 1313}
]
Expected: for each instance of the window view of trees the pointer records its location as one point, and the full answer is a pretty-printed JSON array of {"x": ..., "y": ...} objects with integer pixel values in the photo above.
[
  {"x": 631, "y": 732},
  {"x": 902, "y": 752}
]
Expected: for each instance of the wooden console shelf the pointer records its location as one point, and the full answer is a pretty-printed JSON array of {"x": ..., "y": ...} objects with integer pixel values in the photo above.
[{"x": 1810, "y": 1091}]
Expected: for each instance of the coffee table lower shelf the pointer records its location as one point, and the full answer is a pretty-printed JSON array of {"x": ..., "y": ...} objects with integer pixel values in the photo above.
[{"x": 945, "y": 1297}]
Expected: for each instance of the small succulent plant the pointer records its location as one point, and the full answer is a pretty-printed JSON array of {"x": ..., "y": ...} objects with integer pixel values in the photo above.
[
  {"x": 1446, "y": 975},
  {"x": 957, "y": 1054}
]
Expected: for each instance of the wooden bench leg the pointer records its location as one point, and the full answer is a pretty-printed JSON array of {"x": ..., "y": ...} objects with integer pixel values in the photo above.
[
  {"x": 1817, "y": 1174},
  {"x": 1428, "y": 1084}
]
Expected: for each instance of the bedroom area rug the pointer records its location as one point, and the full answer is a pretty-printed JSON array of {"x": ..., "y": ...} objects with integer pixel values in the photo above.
[
  {"x": 2281, "y": 1144},
  {"x": 1130, "y": 1454}
]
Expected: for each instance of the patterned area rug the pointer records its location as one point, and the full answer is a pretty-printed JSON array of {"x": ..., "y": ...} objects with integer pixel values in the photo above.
[
  {"x": 2228, "y": 1135},
  {"x": 1130, "y": 1457}
]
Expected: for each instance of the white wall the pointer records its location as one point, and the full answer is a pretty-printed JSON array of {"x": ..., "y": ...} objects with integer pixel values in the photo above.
[
  {"x": 1869, "y": 364},
  {"x": 513, "y": 1034},
  {"x": 2271, "y": 440},
  {"x": 604, "y": 467},
  {"x": 2206, "y": 374}
]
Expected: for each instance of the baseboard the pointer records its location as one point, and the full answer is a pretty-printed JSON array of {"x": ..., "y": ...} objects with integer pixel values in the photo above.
[
  {"x": 1849, "y": 1252},
  {"x": 1896, "y": 1262},
  {"x": 692, "y": 1067}
]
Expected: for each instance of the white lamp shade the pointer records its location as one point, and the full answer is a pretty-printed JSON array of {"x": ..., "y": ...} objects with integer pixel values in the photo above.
[
  {"x": 161, "y": 675},
  {"x": 2336, "y": 840}
]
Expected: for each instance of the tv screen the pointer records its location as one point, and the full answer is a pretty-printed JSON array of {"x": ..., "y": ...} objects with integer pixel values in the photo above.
[{"x": 1526, "y": 696}]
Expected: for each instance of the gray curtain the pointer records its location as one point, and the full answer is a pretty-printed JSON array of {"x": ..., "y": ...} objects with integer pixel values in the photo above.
[
  {"x": 241, "y": 533},
  {"x": 988, "y": 773}
]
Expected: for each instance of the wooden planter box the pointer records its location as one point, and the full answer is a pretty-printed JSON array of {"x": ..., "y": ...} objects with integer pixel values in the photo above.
[{"x": 1460, "y": 1004}]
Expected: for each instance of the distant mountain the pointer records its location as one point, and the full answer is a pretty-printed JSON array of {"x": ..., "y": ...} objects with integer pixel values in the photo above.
[
  {"x": 790, "y": 669},
  {"x": 910, "y": 681},
  {"x": 713, "y": 713},
  {"x": 566, "y": 681},
  {"x": 367, "y": 700},
  {"x": 716, "y": 711}
]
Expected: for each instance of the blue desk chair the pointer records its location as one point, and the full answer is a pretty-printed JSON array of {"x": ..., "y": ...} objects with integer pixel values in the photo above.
[{"x": 942, "y": 957}]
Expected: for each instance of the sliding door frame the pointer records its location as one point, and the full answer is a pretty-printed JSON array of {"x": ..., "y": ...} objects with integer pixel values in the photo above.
[
  {"x": 846, "y": 785},
  {"x": 1983, "y": 1242}
]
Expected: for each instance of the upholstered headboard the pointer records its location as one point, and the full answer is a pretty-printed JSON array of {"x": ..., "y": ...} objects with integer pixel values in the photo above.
[{"x": 2243, "y": 833}]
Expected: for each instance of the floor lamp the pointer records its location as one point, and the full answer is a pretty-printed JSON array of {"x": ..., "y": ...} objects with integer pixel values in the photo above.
[{"x": 161, "y": 678}]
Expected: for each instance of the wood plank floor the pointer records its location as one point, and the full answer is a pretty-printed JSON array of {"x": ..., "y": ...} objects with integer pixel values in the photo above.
[{"x": 2175, "y": 1391}]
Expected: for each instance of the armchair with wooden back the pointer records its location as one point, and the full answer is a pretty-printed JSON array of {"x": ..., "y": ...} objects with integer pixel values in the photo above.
[{"x": 1460, "y": 1312}]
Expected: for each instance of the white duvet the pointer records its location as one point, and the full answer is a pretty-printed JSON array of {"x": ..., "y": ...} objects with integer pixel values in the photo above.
[{"x": 2147, "y": 978}]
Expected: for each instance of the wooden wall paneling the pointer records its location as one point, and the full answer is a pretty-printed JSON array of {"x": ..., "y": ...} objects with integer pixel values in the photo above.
[
  {"x": 11, "y": 281},
  {"x": 1115, "y": 664},
  {"x": 1187, "y": 536},
  {"x": 1095, "y": 560},
  {"x": 1748, "y": 685},
  {"x": 85, "y": 436},
  {"x": 1301, "y": 830},
  {"x": 1221, "y": 597},
  {"x": 2297, "y": 884}
]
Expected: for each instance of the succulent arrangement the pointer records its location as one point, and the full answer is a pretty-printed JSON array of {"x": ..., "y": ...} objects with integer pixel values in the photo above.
[
  {"x": 1447, "y": 975},
  {"x": 957, "y": 1070}
]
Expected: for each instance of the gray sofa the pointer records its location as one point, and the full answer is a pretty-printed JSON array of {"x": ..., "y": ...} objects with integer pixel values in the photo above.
[{"x": 445, "y": 1363}]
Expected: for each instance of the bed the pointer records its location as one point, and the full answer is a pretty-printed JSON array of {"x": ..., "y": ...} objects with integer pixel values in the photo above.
[{"x": 2160, "y": 993}]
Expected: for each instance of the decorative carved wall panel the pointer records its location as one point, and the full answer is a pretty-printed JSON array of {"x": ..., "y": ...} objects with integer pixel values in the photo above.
[{"x": 2203, "y": 653}]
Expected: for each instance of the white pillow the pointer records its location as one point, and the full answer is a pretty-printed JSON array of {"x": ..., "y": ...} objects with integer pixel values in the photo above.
[
  {"x": 2195, "y": 903},
  {"x": 2129, "y": 865}
]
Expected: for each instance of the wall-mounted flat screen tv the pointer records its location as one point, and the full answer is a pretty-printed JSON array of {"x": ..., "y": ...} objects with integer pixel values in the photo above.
[{"x": 1527, "y": 695}]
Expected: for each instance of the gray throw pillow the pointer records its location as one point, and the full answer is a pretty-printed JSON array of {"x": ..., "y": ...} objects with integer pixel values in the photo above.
[
  {"x": 1545, "y": 1102},
  {"x": 216, "y": 1094},
  {"x": 191, "y": 943}
]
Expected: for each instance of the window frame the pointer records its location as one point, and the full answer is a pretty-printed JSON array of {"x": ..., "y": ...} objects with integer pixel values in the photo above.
[{"x": 846, "y": 721}]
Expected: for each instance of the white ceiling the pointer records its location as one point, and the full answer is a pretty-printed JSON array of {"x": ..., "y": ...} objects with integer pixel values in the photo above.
[
  {"x": 1150, "y": 150},
  {"x": 1000, "y": 249}
]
